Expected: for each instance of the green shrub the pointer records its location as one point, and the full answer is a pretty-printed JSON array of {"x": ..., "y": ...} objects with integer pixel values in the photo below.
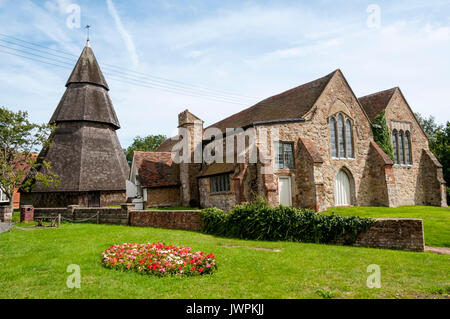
[
  {"x": 259, "y": 221},
  {"x": 214, "y": 221}
]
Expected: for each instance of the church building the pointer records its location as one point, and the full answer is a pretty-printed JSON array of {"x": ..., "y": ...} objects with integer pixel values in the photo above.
[{"x": 324, "y": 155}]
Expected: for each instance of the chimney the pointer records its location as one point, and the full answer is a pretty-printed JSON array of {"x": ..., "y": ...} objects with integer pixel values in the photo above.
[{"x": 191, "y": 127}]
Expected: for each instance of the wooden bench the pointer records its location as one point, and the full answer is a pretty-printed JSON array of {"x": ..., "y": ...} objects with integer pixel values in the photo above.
[{"x": 52, "y": 219}]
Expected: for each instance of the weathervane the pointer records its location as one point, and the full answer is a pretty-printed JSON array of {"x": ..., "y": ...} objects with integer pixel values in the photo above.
[{"x": 87, "y": 28}]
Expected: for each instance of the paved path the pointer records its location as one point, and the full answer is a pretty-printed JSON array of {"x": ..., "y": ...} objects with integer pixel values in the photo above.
[
  {"x": 438, "y": 250},
  {"x": 5, "y": 227}
]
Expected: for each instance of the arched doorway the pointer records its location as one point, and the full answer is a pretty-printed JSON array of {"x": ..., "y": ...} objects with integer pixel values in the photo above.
[{"x": 342, "y": 189}]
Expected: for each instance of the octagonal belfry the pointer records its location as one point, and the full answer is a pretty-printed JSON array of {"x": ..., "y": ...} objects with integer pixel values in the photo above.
[{"x": 85, "y": 152}]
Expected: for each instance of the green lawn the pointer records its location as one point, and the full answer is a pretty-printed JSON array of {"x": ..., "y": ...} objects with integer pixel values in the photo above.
[
  {"x": 436, "y": 220},
  {"x": 33, "y": 265}
]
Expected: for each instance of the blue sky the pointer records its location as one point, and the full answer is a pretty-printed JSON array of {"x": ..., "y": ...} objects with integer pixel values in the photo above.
[{"x": 252, "y": 49}]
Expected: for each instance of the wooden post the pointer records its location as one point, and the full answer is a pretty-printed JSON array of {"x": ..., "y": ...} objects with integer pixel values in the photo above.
[
  {"x": 59, "y": 220},
  {"x": 98, "y": 218}
]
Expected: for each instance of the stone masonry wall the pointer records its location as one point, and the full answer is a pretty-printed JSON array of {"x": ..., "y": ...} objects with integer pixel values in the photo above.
[
  {"x": 305, "y": 182},
  {"x": 431, "y": 180},
  {"x": 393, "y": 233},
  {"x": 163, "y": 197},
  {"x": 176, "y": 219},
  {"x": 374, "y": 179},
  {"x": 417, "y": 184},
  {"x": 225, "y": 201},
  {"x": 337, "y": 97}
]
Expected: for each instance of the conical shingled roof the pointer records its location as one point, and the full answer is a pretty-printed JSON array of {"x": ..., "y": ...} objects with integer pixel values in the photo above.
[
  {"x": 87, "y": 69},
  {"x": 85, "y": 151},
  {"x": 86, "y": 97}
]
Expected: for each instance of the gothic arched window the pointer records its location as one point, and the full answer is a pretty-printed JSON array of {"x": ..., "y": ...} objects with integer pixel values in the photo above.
[
  {"x": 349, "y": 138},
  {"x": 401, "y": 142},
  {"x": 401, "y": 150},
  {"x": 408, "y": 152},
  {"x": 333, "y": 137},
  {"x": 395, "y": 145},
  {"x": 341, "y": 137}
]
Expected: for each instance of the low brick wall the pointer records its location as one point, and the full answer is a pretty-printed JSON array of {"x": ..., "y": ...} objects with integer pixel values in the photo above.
[
  {"x": 170, "y": 219},
  {"x": 114, "y": 216},
  {"x": 388, "y": 233},
  {"x": 393, "y": 233}
]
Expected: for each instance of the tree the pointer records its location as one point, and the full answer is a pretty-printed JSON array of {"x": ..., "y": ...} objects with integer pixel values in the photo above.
[
  {"x": 19, "y": 138},
  {"x": 441, "y": 148},
  {"x": 144, "y": 144},
  {"x": 429, "y": 125}
]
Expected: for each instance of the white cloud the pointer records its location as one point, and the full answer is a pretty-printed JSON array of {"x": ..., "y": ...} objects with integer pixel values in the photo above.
[
  {"x": 438, "y": 34},
  {"x": 293, "y": 52},
  {"x": 125, "y": 35},
  {"x": 57, "y": 5}
]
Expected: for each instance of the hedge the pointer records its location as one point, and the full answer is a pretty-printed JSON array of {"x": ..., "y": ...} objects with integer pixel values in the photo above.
[{"x": 259, "y": 221}]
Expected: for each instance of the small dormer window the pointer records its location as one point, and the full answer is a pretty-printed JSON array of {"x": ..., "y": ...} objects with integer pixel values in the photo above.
[{"x": 341, "y": 137}]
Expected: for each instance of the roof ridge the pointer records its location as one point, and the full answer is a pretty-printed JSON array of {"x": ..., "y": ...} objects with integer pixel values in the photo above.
[
  {"x": 376, "y": 102},
  {"x": 379, "y": 92},
  {"x": 308, "y": 99},
  {"x": 292, "y": 90}
]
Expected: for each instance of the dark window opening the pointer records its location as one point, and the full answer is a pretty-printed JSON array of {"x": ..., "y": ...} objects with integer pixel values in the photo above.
[
  {"x": 220, "y": 183},
  {"x": 94, "y": 199}
]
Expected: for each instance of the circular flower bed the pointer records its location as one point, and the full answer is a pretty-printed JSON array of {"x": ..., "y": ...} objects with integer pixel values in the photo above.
[{"x": 158, "y": 259}]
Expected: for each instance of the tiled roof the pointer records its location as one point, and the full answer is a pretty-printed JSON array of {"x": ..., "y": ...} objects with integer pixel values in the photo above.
[
  {"x": 167, "y": 145},
  {"x": 156, "y": 169},
  {"x": 217, "y": 168},
  {"x": 312, "y": 150},
  {"x": 292, "y": 104},
  {"x": 289, "y": 105},
  {"x": 387, "y": 160},
  {"x": 374, "y": 103}
]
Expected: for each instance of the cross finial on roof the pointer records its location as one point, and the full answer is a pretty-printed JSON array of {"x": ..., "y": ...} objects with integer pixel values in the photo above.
[{"x": 87, "y": 28}]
